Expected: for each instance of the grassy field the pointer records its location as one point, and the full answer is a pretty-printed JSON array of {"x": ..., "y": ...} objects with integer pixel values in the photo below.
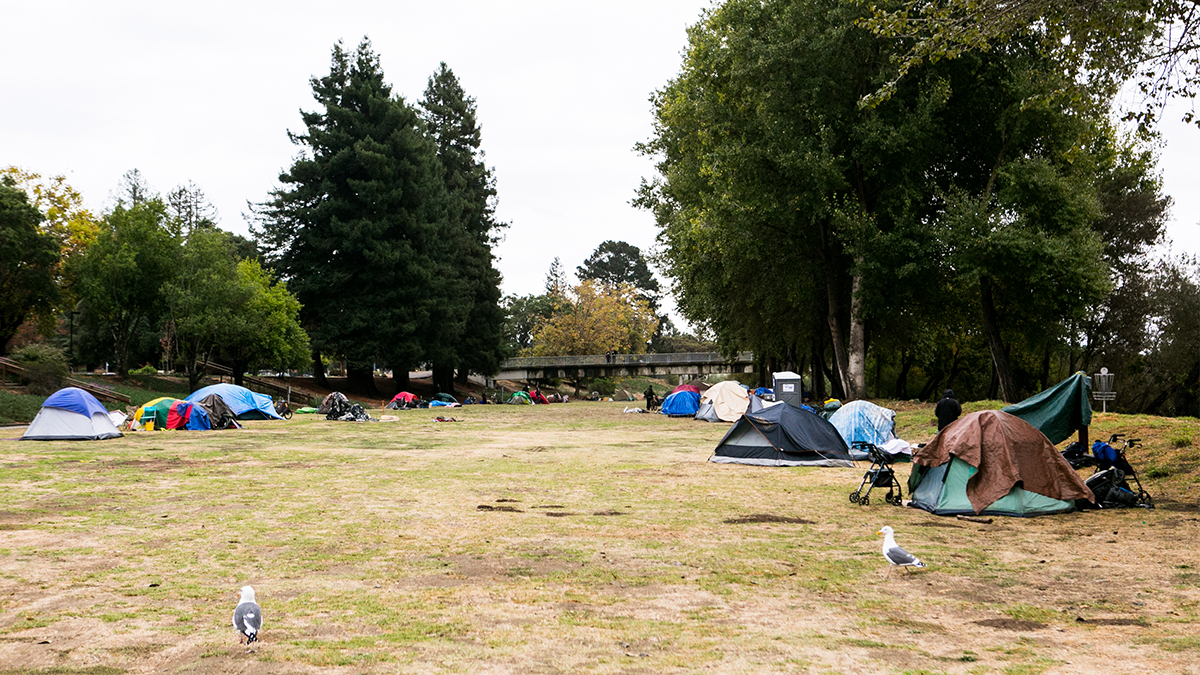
[{"x": 563, "y": 539}]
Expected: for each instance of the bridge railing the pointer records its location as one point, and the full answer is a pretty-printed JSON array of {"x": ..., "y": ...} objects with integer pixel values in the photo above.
[{"x": 678, "y": 358}]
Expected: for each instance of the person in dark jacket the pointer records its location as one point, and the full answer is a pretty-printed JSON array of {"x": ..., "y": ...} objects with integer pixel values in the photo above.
[{"x": 947, "y": 409}]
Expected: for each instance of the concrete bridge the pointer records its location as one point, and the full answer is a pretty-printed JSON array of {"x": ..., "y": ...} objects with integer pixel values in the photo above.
[{"x": 624, "y": 365}]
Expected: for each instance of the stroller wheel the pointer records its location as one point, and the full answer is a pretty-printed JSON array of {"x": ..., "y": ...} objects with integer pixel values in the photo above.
[
  {"x": 854, "y": 497},
  {"x": 866, "y": 501}
]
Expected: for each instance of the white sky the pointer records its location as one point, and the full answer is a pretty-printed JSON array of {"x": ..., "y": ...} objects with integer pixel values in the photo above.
[{"x": 206, "y": 92}]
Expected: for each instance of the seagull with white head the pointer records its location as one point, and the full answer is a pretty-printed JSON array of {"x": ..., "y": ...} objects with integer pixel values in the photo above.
[
  {"x": 895, "y": 555},
  {"x": 247, "y": 616}
]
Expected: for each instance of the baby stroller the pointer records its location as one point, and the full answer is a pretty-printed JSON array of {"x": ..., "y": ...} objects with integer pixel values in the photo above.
[
  {"x": 880, "y": 475},
  {"x": 1110, "y": 482}
]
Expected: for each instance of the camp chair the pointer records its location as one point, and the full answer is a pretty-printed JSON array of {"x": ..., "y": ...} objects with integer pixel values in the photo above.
[
  {"x": 1117, "y": 471},
  {"x": 880, "y": 475}
]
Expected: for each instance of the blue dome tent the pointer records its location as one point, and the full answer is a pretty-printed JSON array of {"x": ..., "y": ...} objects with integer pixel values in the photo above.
[
  {"x": 71, "y": 414},
  {"x": 682, "y": 403}
]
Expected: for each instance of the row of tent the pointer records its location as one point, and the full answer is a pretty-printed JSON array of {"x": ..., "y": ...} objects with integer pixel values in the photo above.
[
  {"x": 72, "y": 414},
  {"x": 729, "y": 401},
  {"x": 992, "y": 462}
]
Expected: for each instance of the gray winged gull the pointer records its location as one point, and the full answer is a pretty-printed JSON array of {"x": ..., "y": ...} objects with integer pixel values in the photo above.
[
  {"x": 247, "y": 616},
  {"x": 895, "y": 555}
]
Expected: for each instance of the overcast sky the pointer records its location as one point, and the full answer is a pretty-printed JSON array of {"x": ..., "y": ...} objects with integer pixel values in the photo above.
[{"x": 207, "y": 91}]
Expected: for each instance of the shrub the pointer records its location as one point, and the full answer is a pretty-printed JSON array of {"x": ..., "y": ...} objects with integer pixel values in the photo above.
[
  {"x": 45, "y": 367},
  {"x": 144, "y": 370},
  {"x": 604, "y": 386},
  {"x": 1181, "y": 439}
]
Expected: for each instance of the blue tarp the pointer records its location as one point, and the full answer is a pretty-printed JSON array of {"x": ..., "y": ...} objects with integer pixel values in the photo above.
[
  {"x": 864, "y": 421},
  {"x": 681, "y": 403},
  {"x": 763, "y": 391},
  {"x": 76, "y": 400},
  {"x": 243, "y": 402}
]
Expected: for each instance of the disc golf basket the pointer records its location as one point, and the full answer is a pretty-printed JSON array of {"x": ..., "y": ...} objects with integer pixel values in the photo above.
[{"x": 880, "y": 475}]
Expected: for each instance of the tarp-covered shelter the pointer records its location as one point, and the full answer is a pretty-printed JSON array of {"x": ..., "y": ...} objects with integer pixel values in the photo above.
[
  {"x": 686, "y": 387},
  {"x": 445, "y": 398},
  {"x": 683, "y": 403},
  {"x": 188, "y": 415},
  {"x": 519, "y": 398},
  {"x": 152, "y": 415},
  {"x": 247, "y": 405},
  {"x": 71, "y": 414},
  {"x": 723, "y": 402},
  {"x": 405, "y": 397},
  {"x": 220, "y": 415},
  {"x": 864, "y": 421},
  {"x": 332, "y": 401},
  {"x": 993, "y": 463},
  {"x": 1059, "y": 411},
  {"x": 782, "y": 435}
]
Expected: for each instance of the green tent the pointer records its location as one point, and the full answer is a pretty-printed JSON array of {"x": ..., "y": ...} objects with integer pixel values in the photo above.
[
  {"x": 520, "y": 398},
  {"x": 942, "y": 490},
  {"x": 993, "y": 463},
  {"x": 1060, "y": 411}
]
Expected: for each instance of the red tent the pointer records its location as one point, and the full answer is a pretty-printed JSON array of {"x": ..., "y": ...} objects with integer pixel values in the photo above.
[
  {"x": 404, "y": 397},
  {"x": 537, "y": 397},
  {"x": 687, "y": 387}
]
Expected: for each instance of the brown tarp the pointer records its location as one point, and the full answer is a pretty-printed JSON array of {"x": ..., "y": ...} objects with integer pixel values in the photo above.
[
  {"x": 1006, "y": 450},
  {"x": 220, "y": 415}
]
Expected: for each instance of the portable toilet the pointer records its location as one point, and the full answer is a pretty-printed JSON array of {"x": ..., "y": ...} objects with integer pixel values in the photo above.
[{"x": 789, "y": 387}]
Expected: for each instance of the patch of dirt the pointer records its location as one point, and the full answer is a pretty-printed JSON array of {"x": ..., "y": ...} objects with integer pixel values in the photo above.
[
  {"x": 504, "y": 500},
  {"x": 1010, "y": 624},
  {"x": 548, "y": 506},
  {"x": 1139, "y": 621},
  {"x": 766, "y": 518},
  {"x": 938, "y": 523},
  {"x": 1168, "y": 505},
  {"x": 610, "y": 513},
  {"x": 560, "y": 514},
  {"x": 506, "y": 509}
]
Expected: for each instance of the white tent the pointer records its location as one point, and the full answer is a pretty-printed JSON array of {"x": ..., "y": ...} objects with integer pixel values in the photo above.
[
  {"x": 723, "y": 402},
  {"x": 71, "y": 414}
]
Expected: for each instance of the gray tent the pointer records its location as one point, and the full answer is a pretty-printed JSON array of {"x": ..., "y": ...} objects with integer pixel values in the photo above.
[{"x": 782, "y": 435}]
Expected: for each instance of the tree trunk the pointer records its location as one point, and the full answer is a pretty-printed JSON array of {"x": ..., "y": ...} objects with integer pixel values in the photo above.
[
  {"x": 1046, "y": 368},
  {"x": 443, "y": 379},
  {"x": 991, "y": 327},
  {"x": 906, "y": 363},
  {"x": 835, "y": 380},
  {"x": 360, "y": 379},
  {"x": 462, "y": 376},
  {"x": 400, "y": 378},
  {"x": 239, "y": 370},
  {"x": 818, "y": 374},
  {"x": 930, "y": 388},
  {"x": 319, "y": 371},
  {"x": 856, "y": 373}
]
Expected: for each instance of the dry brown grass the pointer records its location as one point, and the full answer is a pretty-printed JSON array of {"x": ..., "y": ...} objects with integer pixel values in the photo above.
[{"x": 567, "y": 538}]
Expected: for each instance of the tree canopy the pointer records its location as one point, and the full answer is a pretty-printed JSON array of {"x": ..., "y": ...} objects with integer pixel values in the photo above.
[
  {"x": 28, "y": 261},
  {"x": 797, "y": 222}
]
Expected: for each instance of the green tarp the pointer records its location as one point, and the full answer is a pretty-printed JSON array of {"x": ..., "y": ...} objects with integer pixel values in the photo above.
[{"x": 1059, "y": 411}]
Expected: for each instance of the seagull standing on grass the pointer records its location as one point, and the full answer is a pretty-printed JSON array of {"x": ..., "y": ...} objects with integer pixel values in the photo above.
[
  {"x": 895, "y": 555},
  {"x": 247, "y": 616}
]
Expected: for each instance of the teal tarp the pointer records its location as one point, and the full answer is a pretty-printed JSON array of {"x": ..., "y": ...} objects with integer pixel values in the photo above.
[{"x": 1059, "y": 411}]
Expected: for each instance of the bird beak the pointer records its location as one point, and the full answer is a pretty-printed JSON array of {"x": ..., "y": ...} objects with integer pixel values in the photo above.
[{"x": 879, "y": 532}]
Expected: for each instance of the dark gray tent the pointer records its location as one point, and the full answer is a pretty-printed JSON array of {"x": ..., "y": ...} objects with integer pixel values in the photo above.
[
  {"x": 220, "y": 415},
  {"x": 782, "y": 435}
]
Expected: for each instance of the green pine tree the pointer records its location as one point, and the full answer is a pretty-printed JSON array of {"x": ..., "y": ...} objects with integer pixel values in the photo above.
[
  {"x": 359, "y": 229},
  {"x": 471, "y": 190}
]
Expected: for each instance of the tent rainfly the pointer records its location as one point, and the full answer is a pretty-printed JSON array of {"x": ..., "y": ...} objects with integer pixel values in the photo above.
[
  {"x": 1059, "y": 411},
  {"x": 993, "y": 463},
  {"x": 244, "y": 403},
  {"x": 723, "y": 402},
  {"x": 866, "y": 422},
  {"x": 71, "y": 414},
  {"x": 681, "y": 403},
  {"x": 782, "y": 435}
]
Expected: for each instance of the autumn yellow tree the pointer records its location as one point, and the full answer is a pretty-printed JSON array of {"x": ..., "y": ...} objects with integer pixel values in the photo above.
[
  {"x": 594, "y": 318},
  {"x": 72, "y": 225}
]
